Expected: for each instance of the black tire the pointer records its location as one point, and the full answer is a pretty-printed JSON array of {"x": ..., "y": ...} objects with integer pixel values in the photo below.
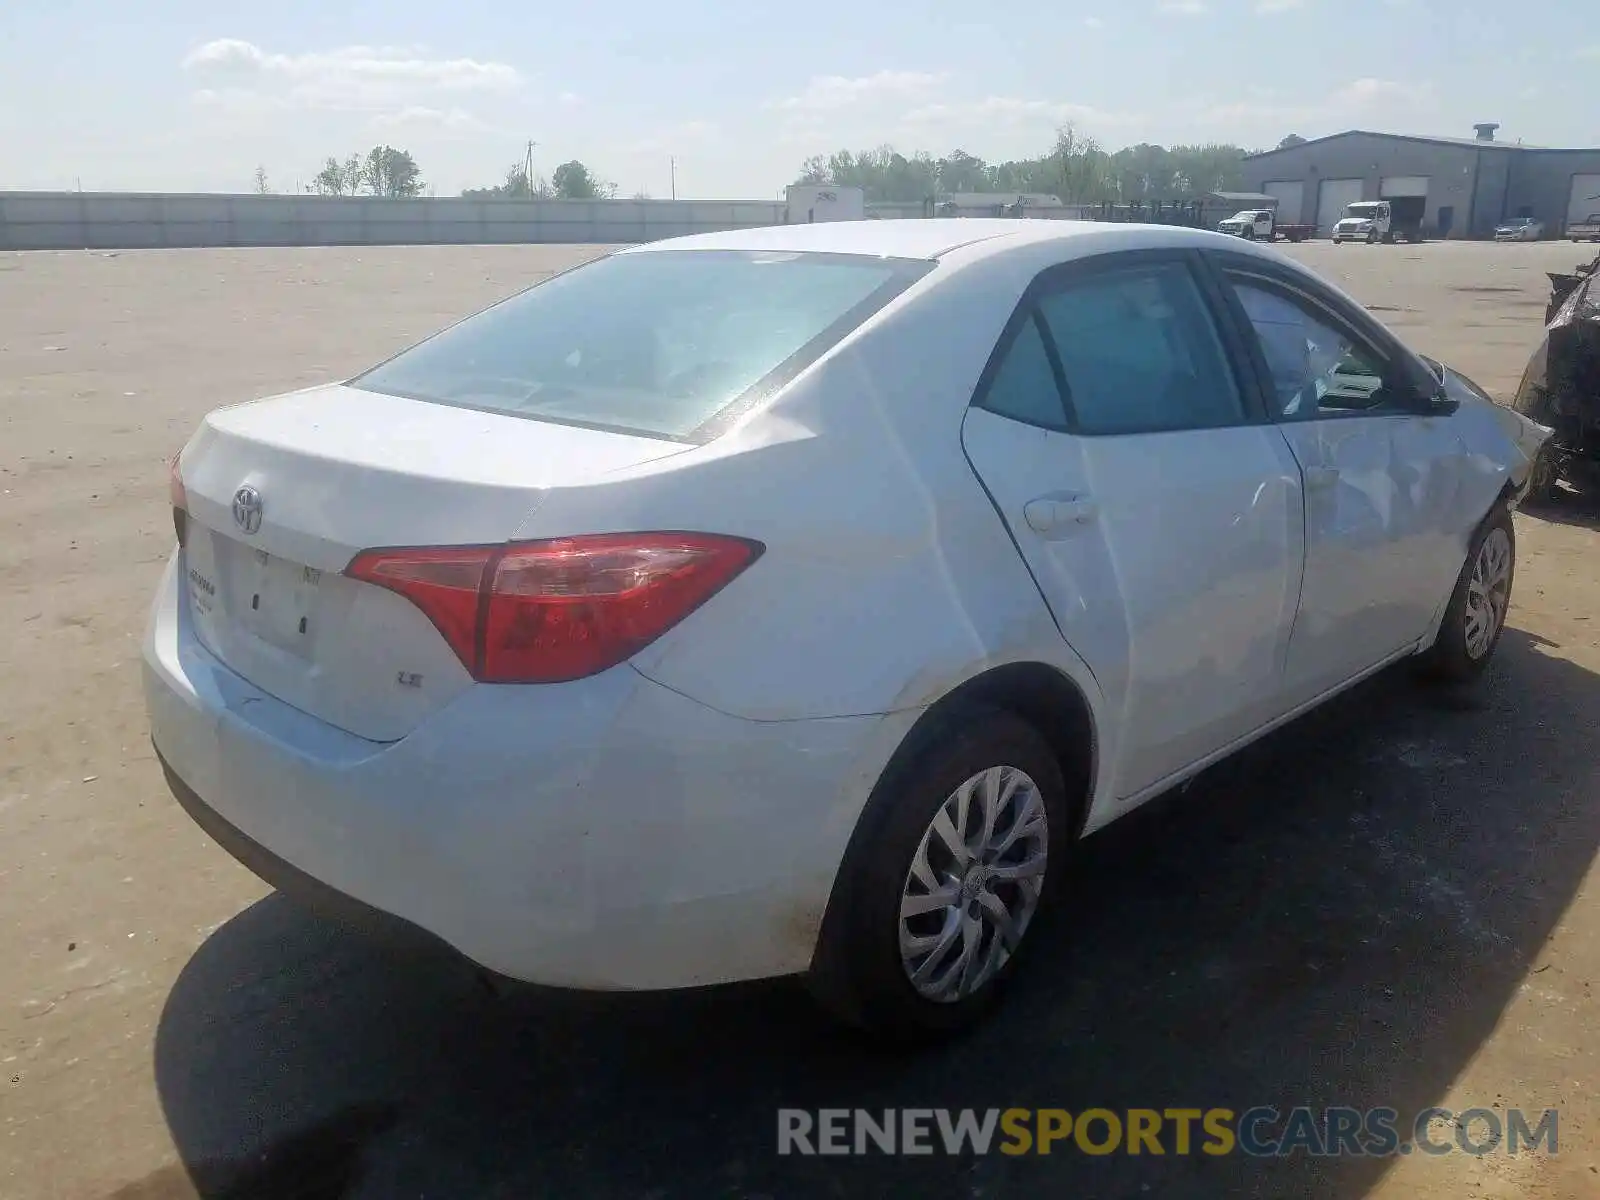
[
  {"x": 1451, "y": 659},
  {"x": 1249, "y": 234},
  {"x": 1372, "y": 237},
  {"x": 858, "y": 973}
]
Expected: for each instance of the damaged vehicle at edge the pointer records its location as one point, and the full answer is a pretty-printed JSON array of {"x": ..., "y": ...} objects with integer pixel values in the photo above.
[{"x": 1560, "y": 387}]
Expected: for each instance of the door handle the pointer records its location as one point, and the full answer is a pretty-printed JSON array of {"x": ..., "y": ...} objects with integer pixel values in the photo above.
[
  {"x": 1321, "y": 478},
  {"x": 1049, "y": 513}
]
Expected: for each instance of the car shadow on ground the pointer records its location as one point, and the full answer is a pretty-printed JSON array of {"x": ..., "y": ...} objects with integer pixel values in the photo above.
[
  {"x": 1336, "y": 917},
  {"x": 1570, "y": 507}
]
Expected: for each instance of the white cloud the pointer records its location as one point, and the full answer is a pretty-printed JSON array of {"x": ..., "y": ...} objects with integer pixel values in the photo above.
[
  {"x": 1365, "y": 95},
  {"x": 1356, "y": 101},
  {"x": 1183, "y": 8},
  {"x": 383, "y": 79},
  {"x": 1010, "y": 110},
  {"x": 421, "y": 116},
  {"x": 569, "y": 99},
  {"x": 680, "y": 138},
  {"x": 238, "y": 101},
  {"x": 1093, "y": 23},
  {"x": 1268, "y": 7},
  {"x": 830, "y": 93}
]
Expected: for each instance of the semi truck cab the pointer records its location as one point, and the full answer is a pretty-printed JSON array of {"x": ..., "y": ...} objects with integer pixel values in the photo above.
[{"x": 1396, "y": 219}]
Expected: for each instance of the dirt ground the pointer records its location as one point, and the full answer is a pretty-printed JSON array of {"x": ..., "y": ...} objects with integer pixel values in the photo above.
[{"x": 1392, "y": 902}]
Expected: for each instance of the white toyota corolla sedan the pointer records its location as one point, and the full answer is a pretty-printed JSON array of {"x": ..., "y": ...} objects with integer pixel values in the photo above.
[{"x": 789, "y": 601}]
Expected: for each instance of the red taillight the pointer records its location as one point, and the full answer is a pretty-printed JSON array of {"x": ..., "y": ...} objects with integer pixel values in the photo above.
[
  {"x": 180, "y": 499},
  {"x": 544, "y": 612}
]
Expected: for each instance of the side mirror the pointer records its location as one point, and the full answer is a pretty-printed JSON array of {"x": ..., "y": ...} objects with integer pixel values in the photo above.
[{"x": 1439, "y": 403}]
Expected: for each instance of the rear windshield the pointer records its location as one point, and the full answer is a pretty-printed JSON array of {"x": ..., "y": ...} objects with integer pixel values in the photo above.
[{"x": 664, "y": 343}]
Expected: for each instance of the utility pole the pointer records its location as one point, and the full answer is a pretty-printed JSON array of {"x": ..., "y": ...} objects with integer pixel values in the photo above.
[
  {"x": 527, "y": 165},
  {"x": 672, "y": 165}
]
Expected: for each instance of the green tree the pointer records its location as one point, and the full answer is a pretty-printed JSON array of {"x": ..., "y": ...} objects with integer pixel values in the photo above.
[
  {"x": 331, "y": 180},
  {"x": 517, "y": 186},
  {"x": 381, "y": 171},
  {"x": 572, "y": 181},
  {"x": 815, "y": 170},
  {"x": 959, "y": 171},
  {"x": 389, "y": 172},
  {"x": 1076, "y": 168}
]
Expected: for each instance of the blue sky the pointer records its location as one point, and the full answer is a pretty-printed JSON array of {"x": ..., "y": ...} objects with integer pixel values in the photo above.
[{"x": 185, "y": 95}]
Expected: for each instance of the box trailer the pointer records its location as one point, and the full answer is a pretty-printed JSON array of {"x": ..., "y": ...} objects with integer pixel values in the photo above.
[{"x": 809, "y": 202}]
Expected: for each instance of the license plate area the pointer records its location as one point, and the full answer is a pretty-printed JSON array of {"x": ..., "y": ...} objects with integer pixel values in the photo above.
[{"x": 276, "y": 600}]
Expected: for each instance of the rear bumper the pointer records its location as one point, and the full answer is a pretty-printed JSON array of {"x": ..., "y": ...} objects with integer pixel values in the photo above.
[
  {"x": 606, "y": 834},
  {"x": 287, "y": 878}
]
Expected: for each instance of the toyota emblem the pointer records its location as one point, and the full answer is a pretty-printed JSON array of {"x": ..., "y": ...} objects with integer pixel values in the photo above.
[{"x": 247, "y": 509}]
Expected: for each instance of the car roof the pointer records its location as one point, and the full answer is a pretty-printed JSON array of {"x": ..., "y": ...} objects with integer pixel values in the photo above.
[{"x": 928, "y": 238}]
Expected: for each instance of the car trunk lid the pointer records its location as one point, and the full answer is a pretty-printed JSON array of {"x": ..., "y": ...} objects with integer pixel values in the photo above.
[{"x": 281, "y": 494}]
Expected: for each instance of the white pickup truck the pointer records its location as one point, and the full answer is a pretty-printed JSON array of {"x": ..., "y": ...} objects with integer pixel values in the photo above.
[
  {"x": 1586, "y": 230},
  {"x": 1262, "y": 224}
]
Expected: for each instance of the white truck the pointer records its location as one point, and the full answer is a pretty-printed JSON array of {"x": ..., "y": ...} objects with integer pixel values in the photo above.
[
  {"x": 1396, "y": 219},
  {"x": 1586, "y": 230},
  {"x": 1261, "y": 224},
  {"x": 808, "y": 202}
]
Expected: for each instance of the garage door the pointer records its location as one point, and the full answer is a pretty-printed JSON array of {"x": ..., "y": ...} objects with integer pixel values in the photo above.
[
  {"x": 1332, "y": 196},
  {"x": 1402, "y": 185},
  {"x": 1585, "y": 198},
  {"x": 1291, "y": 198}
]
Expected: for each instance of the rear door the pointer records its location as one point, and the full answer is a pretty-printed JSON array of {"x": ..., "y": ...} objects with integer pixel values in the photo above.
[
  {"x": 1383, "y": 480},
  {"x": 1158, "y": 511}
]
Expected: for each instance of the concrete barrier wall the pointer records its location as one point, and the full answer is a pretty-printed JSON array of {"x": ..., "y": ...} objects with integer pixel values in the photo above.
[{"x": 132, "y": 220}]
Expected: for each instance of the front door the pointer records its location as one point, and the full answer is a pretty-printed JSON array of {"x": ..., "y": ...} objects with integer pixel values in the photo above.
[
  {"x": 1382, "y": 481},
  {"x": 1160, "y": 515}
]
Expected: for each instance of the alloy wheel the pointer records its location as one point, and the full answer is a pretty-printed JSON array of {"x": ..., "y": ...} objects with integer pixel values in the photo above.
[
  {"x": 1488, "y": 593},
  {"x": 974, "y": 884}
]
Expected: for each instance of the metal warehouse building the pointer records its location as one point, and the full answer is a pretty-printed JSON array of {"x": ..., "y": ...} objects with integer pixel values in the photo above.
[{"x": 1471, "y": 184}]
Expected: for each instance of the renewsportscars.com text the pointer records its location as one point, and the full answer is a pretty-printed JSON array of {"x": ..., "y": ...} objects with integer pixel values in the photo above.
[{"x": 1259, "y": 1132}]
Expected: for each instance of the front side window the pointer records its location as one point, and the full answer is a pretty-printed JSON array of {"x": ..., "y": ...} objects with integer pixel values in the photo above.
[
  {"x": 1140, "y": 352},
  {"x": 1317, "y": 367},
  {"x": 655, "y": 343}
]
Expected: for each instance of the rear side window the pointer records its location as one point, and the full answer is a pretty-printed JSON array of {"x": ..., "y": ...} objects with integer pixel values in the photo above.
[
  {"x": 1140, "y": 352},
  {"x": 659, "y": 343},
  {"x": 1023, "y": 386}
]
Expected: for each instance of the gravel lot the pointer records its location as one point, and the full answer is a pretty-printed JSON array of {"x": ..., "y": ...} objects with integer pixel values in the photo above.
[{"x": 1393, "y": 902}]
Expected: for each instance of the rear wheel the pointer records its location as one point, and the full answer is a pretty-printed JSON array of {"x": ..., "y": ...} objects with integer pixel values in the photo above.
[
  {"x": 1476, "y": 615},
  {"x": 957, "y": 853}
]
